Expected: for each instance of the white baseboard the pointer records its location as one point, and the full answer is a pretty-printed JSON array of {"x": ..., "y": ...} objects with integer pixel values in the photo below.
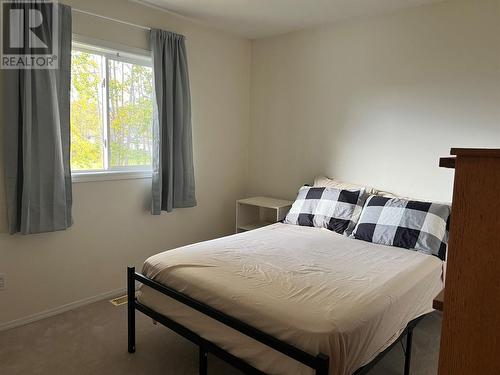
[{"x": 60, "y": 309}]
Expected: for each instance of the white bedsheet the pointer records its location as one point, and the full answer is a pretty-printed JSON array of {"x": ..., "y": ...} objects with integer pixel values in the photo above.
[{"x": 310, "y": 287}]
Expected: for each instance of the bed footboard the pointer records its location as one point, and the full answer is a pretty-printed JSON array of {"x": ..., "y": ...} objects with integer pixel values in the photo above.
[{"x": 320, "y": 363}]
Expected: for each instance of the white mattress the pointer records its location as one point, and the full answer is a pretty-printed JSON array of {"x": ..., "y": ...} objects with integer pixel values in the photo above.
[{"x": 310, "y": 287}]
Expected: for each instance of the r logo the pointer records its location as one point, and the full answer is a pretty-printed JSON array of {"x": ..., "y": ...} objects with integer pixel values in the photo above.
[
  {"x": 27, "y": 28},
  {"x": 17, "y": 29}
]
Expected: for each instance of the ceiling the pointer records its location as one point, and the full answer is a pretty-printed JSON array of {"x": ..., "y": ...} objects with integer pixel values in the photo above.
[{"x": 261, "y": 18}]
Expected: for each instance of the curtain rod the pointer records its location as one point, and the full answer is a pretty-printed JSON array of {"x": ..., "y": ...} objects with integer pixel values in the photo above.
[{"x": 111, "y": 19}]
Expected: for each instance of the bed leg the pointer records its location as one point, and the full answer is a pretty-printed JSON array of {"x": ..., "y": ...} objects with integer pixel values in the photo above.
[
  {"x": 322, "y": 364},
  {"x": 409, "y": 339},
  {"x": 203, "y": 361},
  {"x": 131, "y": 308}
]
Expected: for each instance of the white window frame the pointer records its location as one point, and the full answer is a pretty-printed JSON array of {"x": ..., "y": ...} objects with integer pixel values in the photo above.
[{"x": 110, "y": 51}]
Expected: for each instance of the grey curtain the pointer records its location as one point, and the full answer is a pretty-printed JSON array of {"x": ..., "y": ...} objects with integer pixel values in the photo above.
[
  {"x": 173, "y": 172},
  {"x": 36, "y": 123}
]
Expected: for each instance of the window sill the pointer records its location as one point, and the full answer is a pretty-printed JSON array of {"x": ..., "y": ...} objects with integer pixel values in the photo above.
[{"x": 109, "y": 175}]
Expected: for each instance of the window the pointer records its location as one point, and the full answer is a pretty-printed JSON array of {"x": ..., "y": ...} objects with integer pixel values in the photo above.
[{"x": 111, "y": 110}]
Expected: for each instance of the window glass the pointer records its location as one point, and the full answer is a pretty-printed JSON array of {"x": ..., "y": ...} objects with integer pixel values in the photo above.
[
  {"x": 111, "y": 111},
  {"x": 130, "y": 113},
  {"x": 86, "y": 111}
]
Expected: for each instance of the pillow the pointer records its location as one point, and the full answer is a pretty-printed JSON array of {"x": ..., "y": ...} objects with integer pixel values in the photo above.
[
  {"x": 322, "y": 181},
  {"x": 330, "y": 208},
  {"x": 421, "y": 226}
]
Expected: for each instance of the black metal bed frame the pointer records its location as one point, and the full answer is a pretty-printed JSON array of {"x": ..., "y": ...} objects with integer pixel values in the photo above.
[{"x": 319, "y": 363}]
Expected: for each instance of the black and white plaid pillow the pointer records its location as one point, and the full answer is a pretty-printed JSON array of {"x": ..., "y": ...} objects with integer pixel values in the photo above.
[
  {"x": 330, "y": 208},
  {"x": 422, "y": 226}
]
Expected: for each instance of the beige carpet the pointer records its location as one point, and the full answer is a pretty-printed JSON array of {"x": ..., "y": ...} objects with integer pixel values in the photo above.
[{"x": 93, "y": 340}]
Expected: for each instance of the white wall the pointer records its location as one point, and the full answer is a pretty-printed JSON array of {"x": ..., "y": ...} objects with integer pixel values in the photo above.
[
  {"x": 376, "y": 100},
  {"x": 112, "y": 225}
]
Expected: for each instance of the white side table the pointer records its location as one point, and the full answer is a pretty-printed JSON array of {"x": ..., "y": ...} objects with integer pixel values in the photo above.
[{"x": 257, "y": 212}]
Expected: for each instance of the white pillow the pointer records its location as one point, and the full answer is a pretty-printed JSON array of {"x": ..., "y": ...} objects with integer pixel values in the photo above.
[{"x": 322, "y": 181}]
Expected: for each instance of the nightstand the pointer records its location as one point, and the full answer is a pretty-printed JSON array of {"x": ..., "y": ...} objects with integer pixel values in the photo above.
[{"x": 257, "y": 212}]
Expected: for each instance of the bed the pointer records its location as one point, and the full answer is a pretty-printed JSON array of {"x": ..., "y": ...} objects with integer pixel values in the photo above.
[{"x": 340, "y": 300}]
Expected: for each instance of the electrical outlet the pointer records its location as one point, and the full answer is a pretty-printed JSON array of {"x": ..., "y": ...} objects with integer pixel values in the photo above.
[{"x": 2, "y": 281}]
